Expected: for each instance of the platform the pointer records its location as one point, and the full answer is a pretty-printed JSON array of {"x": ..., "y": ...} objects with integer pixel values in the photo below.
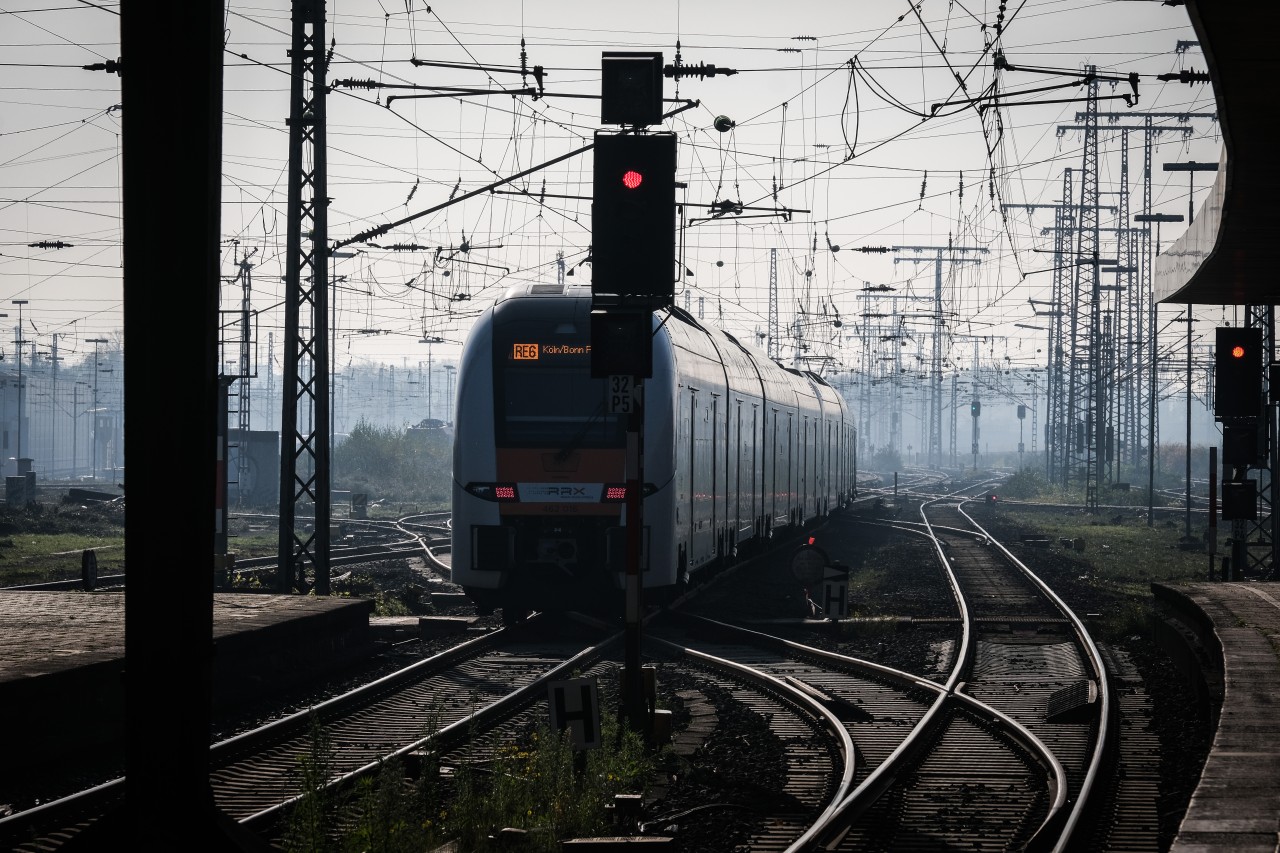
[
  {"x": 1231, "y": 631},
  {"x": 62, "y": 659}
]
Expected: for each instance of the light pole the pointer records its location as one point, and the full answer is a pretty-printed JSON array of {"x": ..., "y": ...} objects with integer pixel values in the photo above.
[
  {"x": 449, "y": 370},
  {"x": 1190, "y": 167},
  {"x": 1152, "y": 410},
  {"x": 75, "y": 427},
  {"x": 429, "y": 340},
  {"x": 93, "y": 472},
  {"x": 17, "y": 345},
  {"x": 6, "y": 423}
]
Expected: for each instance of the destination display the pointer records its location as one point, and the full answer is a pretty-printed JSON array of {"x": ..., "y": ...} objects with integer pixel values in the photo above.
[{"x": 537, "y": 351}]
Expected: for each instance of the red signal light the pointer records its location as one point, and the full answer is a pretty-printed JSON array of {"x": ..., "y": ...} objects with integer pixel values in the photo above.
[
  {"x": 1237, "y": 351},
  {"x": 632, "y": 179}
]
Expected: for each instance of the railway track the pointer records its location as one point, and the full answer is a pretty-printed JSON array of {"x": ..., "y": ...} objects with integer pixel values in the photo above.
[
  {"x": 437, "y": 702},
  {"x": 1007, "y": 750},
  {"x": 1024, "y": 655},
  {"x": 424, "y": 535}
]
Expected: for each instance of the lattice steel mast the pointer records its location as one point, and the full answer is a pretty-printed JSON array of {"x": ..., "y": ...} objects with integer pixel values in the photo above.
[
  {"x": 304, "y": 419},
  {"x": 953, "y": 254}
]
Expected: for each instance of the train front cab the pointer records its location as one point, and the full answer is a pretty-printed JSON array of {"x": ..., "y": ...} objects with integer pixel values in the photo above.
[
  {"x": 737, "y": 449},
  {"x": 539, "y": 462}
]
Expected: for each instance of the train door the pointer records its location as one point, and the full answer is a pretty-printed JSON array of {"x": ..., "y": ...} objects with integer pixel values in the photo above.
[
  {"x": 828, "y": 475},
  {"x": 739, "y": 452},
  {"x": 804, "y": 468},
  {"x": 814, "y": 456},
  {"x": 716, "y": 510},
  {"x": 693, "y": 474},
  {"x": 683, "y": 487},
  {"x": 757, "y": 475},
  {"x": 791, "y": 466},
  {"x": 736, "y": 492},
  {"x": 771, "y": 490}
]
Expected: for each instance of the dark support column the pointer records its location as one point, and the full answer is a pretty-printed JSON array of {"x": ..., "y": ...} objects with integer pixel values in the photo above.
[{"x": 172, "y": 137}]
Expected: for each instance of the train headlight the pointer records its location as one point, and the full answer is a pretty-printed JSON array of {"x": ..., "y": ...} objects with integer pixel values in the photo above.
[{"x": 497, "y": 492}]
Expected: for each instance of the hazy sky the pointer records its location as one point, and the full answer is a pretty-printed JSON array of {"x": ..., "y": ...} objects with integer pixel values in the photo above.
[{"x": 858, "y": 125}]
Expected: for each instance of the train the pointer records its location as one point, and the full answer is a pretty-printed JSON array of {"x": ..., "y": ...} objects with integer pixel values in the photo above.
[{"x": 738, "y": 451}]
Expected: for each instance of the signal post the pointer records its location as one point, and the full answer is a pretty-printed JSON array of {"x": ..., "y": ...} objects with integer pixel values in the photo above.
[
  {"x": 1238, "y": 404},
  {"x": 633, "y": 275}
]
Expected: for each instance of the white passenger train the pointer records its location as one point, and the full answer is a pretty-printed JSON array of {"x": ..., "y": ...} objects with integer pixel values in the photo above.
[{"x": 737, "y": 450}]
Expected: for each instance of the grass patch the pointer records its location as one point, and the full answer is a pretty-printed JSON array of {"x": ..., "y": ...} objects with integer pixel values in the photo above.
[
  {"x": 1029, "y": 485},
  {"x": 41, "y": 557},
  {"x": 1124, "y": 552},
  {"x": 253, "y": 542},
  {"x": 44, "y": 542}
]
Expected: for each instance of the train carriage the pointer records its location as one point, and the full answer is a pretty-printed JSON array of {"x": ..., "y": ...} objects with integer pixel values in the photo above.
[{"x": 737, "y": 448}]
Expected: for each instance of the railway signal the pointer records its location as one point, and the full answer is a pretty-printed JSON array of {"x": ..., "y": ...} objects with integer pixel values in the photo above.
[
  {"x": 1238, "y": 373},
  {"x": 633, "y": 215}
]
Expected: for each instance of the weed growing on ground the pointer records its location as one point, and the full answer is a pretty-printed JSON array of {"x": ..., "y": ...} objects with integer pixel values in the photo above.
[
  {"x": 539, "y": 784},
  {"x": 308, "y": 821}
]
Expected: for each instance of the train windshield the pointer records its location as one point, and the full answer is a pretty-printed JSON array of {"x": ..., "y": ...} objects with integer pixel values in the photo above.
[
  {"x": 555, "y": 407},
  {"x": 545, "y": 396}
]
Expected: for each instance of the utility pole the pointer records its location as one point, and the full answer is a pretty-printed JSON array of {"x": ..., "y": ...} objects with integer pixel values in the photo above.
[
  {"x": 1153, "y": 386},
  {"x": 18, "y": 343},
  {"x": 954, "y": 255},
  {"x": 54, "y": 358},
  {"x": 244, "y": 400},
  {"x": 893, "y": 333},
  {"x": 772, "y": 343},
  {"x": 1190, "y": 167},
  {"x": 429, "y": 340},
  {"x": 305, "y": 435},
  {"x": 1258, "y": 537},
  {"x": 975, "y": 409},
  {"x": 1140, "y": 307},
  {"x": 1057, "y": 424},
  {"x": 93, "y": 472}
]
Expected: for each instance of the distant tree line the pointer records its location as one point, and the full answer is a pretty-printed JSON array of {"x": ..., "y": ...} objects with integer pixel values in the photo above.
[{"x": 396, "y": 464}]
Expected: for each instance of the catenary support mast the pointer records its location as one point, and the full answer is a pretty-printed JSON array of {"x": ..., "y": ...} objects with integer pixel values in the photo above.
[{"x": 304, "y": 418}]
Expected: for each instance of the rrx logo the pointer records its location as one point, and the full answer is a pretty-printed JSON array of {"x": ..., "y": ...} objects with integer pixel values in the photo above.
[{"x": 566, "y": 491}]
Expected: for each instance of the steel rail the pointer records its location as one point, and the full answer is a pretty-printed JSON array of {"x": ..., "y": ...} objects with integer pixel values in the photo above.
[
  {"x": 882, "y": 778},
  {"x": 887, "y": 772},
  {"x": 488, "y": 716},
  {"x": 799, "y": 697},
  {"x": 1103, "y": 740}
]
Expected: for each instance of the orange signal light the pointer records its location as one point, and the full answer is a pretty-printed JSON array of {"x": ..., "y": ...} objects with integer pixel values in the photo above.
[{"x": 1237, "y": 351}]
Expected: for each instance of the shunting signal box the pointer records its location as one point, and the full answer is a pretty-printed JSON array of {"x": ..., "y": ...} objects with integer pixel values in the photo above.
[
  {"x": 630, "y": 87},
  {"x": 1240, "y": 500},
  {"x": 1237, "y": 373},
  {"x": 622, "y": 344},
  {"x": 1240, "y": 444}
]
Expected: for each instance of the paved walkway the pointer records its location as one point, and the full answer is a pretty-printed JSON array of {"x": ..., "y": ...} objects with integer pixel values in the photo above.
[{"x": 1236, "y": 806}]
